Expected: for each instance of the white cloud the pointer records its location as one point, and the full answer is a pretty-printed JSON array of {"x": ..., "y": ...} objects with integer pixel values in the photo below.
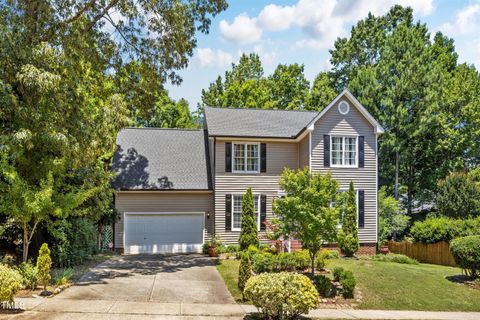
[
  {"x": 322, "y": 21},
  {"x": 209, "y": 58},
  {"x": 467, "y": 21},
  {"x": 243, "y": 29},
  {"x": 276, "y": 18}
]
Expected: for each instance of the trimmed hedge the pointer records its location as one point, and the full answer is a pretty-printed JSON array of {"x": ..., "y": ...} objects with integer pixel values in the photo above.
[
  {"x": 433, "y": 230},
  {"x": 281, "y": 295},
  {"x": 393, "y": 257},
  {"x": 466, "y": 252}
]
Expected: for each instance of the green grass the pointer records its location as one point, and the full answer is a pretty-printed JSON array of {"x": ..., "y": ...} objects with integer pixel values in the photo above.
[
  {"x": 392, "y": 286},
  {"x": 228, "y": 269}
]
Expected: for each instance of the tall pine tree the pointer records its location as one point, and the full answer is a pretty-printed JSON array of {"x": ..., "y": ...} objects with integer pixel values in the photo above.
[
  {"x": 249, "y": 233},
  {"x": 348, "y": 237}
]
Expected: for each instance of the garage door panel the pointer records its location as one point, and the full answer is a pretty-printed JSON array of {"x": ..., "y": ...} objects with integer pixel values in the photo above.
[{"x": 163, "y": 233}]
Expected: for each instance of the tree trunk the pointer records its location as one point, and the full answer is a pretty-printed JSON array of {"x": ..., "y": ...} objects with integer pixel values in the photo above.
[
  {"x": 397, "y": 169},
  {"x": 312, "y": 257},
  {"x": 26, "y": 242}
]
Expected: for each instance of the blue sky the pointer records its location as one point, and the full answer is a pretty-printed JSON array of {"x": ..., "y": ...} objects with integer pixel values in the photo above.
[{"x": 303, "y": 31}]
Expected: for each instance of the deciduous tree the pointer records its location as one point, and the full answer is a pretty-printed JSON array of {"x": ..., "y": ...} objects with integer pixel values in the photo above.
[{"x": 306, "y": 212}]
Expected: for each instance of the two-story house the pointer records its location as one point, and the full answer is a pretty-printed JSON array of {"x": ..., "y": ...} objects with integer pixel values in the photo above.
[{"x": 175, "y": 188}]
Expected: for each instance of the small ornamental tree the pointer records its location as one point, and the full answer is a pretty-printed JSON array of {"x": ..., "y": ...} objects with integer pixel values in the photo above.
[
  {"x": 306, "y": 212},
  {"x": 44, "y": 263},
  {"x": 249, "y": 232},
  {"x": 348, "y": 237}
]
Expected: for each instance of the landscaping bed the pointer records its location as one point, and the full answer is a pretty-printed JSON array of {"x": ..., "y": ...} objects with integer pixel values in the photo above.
[
  {"x": 69, "y": 275},
  {"x": 390, "y": 286}
]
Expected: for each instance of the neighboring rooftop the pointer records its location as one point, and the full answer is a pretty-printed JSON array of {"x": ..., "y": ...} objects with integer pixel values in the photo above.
[
  {"x": 230, "y": 122},
  {"x": 161, "y": 159}
]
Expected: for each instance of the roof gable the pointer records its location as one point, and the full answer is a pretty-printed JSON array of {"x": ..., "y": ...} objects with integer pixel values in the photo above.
[{"x": 345, "y": 93}]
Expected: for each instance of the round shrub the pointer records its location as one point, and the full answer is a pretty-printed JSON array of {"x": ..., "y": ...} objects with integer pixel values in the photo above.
[
  {"x": 323, "y": 285},
  {"x": 281, "y": 295},
  {"x": 329, "y": 254},
  {"x": 348, "y": 243},
  {"x": 348, "y": 283},
  {"x": 337, "y": 273},
  {"x": 264, "y": 262},
  {"x": 10, "y": 283},
  {"x": 466, "y": 252}
]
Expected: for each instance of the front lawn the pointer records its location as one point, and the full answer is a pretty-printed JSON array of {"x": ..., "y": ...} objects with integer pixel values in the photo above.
[{"x": 392, "y": 286}]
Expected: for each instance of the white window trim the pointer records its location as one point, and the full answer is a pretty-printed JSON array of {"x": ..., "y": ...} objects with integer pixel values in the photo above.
[
  {"x": 343, "y": 150},
  {"x": 339, "y": 225},
  {"x": 245, "y": 157},
  {"x": 258, "y": 213}
]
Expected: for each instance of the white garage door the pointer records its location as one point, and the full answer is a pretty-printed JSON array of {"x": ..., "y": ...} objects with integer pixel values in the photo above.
[{"x": 163, "y": 233}]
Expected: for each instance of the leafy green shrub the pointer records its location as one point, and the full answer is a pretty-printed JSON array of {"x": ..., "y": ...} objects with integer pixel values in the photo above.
[
  {"x": 323, "y": 285},
  {"x": 281, "y": 295},
  {"x": 433, "y": 230},
  {"x": 64, "y": 276},
  {"x": 329, "y": 254},
  {"x": 44, "y": 263},
  {"x": 244, "y": 272},
  {"x": 10, "y": 283},
  {"x": 337, "y": 273},
  {"x": 267, "y": 262},
  {"x": 302, "y": 259},
  {"x": 29, "y": 275},
  {"x": 348, "y": 283},
  {"x": 348, "y": 243},
  {"x": 74, "y": 241},
  {"x": 319, "y": 262},
  {"x": 393, "y": 257},
  {"x": 466, "y": 252},
  {"x": 232, "y": 248},
  {"x": 264, "y": 262}
]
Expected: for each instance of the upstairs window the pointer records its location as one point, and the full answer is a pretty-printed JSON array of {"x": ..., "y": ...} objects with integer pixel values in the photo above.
[
  {"x": 344, "y": 151},
  {"x": 246, "y": 157}
]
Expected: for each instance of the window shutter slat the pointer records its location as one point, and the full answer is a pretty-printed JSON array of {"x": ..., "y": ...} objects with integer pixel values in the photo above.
[
  {"x": 361, "y": 151},
  {"x": 361, "y": 208},
  {"x": 228, "y": 212},
  {"x": 263, "y": 157},
  {"x": 263, "y": 211},
  {"x": 228, "y": 157},
  {"x": 326, "y": 151}
]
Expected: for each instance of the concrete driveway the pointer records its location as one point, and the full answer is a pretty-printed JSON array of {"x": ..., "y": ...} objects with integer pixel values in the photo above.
[{"x": 154, "y": 278}]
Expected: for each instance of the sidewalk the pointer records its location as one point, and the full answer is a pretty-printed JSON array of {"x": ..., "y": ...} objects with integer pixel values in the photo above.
[{"x": 103, "y": 309}]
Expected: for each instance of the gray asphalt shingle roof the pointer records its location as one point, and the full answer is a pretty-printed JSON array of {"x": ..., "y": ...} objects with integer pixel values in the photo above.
[
  {"x": 232, "y": 122},
  {"x": 149, "y": 158}
]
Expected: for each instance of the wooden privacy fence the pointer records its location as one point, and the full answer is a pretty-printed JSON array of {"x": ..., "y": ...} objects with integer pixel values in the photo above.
[{"x": 434, "y": 253}]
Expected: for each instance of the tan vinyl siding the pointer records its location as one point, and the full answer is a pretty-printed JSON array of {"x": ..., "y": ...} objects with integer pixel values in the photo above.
[
  {"x": 162, "y": 202},
  {"x": 279, "y": 156},
  {"x": 354, "y": 123},
  {"x": 303, "y": 158}
]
